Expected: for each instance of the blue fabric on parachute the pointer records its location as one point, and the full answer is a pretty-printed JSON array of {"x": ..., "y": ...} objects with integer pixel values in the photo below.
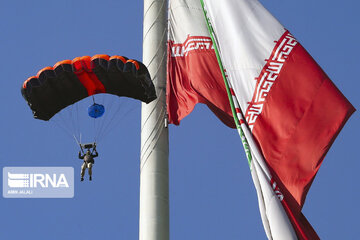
[{"x": 96, "y": 110}]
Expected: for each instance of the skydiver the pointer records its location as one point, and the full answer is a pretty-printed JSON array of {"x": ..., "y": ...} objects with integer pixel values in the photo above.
[{"x": 88, "y": 162}]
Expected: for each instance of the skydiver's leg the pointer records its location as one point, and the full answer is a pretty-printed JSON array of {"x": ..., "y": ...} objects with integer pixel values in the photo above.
[
  {"x": 83, "y": 167},
  {"x": 89, "y": 165}
]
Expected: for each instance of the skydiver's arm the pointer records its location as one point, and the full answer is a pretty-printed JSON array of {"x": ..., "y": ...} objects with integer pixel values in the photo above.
[
  {"x": 81, "y": 157},
  {"x": 96, "y": 154}
]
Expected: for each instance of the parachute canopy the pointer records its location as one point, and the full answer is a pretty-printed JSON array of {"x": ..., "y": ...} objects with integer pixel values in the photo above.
[
  {"x": 96, "y": 110},
  {"x": 69, "y": 81}
]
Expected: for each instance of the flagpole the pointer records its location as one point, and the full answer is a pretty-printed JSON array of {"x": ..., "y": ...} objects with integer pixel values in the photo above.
[{"x": 154, "y": 173}]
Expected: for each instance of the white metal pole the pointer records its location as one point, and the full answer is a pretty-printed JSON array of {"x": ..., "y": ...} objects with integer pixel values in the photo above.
[{"x": 154, "y": 172}]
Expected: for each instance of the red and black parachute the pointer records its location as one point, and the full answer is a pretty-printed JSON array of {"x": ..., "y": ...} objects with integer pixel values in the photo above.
[{"x": 69, "y": 81}]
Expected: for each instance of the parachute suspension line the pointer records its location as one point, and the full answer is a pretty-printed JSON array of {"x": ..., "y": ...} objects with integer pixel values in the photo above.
[
  {"x": 117, "y": 115},
  {"x": 65, "y": 124},
  {"x": 95, "y": 125},
  {"x": 73, "y": 124},
  {"x": 94, "y": 120},
  {"x": 79, "y": 143},
  {"x": 108, "y": 121},
  {"x": 78, "y": 130},
  {"x": 73, "y": 115},
  {"x": 109, "y": 103},
  {"x": 66, "y": 130},
  {"x": 68, "y": 112},
  {"x": 102, "y": 123}
]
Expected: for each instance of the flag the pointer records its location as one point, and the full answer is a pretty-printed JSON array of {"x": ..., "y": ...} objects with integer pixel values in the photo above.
[
  {"x": 193, "y": 72},
  {"x": 288, "y": 108}
]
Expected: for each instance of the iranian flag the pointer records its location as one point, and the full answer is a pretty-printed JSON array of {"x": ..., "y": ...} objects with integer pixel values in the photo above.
[{"x": 286, "y": 109}]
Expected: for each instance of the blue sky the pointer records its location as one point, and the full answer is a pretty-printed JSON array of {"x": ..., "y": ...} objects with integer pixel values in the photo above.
[{"x": 211, "y": 192}]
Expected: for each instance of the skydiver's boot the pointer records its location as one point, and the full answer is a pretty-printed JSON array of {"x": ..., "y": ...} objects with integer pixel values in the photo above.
[
  {"x": 90, "y": 178},
  {"x": 82, "y": 179}
]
